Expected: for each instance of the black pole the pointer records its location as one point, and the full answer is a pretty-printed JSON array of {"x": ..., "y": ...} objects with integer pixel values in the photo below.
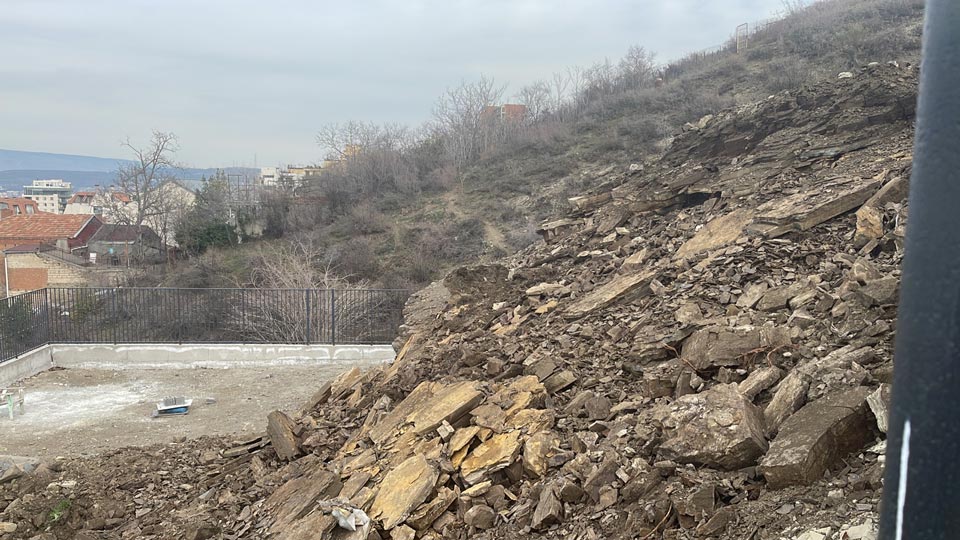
[{"x": 921, "y": 493}]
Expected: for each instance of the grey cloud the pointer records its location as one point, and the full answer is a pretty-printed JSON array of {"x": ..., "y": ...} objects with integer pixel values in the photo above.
[{"x": 238, "y": 78}]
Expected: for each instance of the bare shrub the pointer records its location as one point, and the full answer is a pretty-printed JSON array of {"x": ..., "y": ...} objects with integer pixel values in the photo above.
[
  {"x": 297, "y": 268},
  {"x": 523, "y": 236},
  {"x": 787, "y": 74},
  {"x": 356, "y": 258},
  {"x": 365, "y": 218}
]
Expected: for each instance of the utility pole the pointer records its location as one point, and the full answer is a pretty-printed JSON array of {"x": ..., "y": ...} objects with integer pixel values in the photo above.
[{"x": 921, "y": 499}]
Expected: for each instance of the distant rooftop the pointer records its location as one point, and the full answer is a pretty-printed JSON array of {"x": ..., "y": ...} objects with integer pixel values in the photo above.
[{"x": 43, "y": 226}]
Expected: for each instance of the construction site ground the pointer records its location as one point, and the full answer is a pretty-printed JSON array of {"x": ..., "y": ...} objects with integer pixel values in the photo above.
[{"x": 75, "y": 412}]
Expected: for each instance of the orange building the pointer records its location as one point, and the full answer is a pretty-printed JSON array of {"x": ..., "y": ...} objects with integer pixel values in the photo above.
[{"x": 510, "y": 112}]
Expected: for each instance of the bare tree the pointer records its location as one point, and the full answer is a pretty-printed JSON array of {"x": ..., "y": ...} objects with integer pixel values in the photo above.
[
  {"x": 343, "y": 140},
  {"x": 558, "y": 91},
  {"x": 141, "y": 181},
  {"x": 575, "y": 80},
  {"x": 637, "y": 67},
  {"x": 371, "y": 157},
  {"x": 599, "y": 82},
  {"x": 459, "y": 118},
  {"x": 537, "y": 98},
  {"x": 173, "y": 205}
]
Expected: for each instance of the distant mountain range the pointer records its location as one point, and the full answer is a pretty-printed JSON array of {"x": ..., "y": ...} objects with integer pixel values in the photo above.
[
  {"x": 12, "y": 160},
  {"x": 18, "y": 168}
]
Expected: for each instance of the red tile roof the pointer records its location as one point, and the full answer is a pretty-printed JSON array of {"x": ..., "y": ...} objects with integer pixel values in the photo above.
[
  {"x": 43, "y": 226},
  {"x": 18, "y": 200},
  {"x": 87, "y": 197},
  {"x": 83, "y": 197}
]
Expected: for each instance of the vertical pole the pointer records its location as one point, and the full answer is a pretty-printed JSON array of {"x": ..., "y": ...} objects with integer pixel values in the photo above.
[
  {"x": 179, "y": 315},
  {"x": 47, "y": 330},
  {"x": 920, "y": 495},
  {"x": 243, "y": 311},
  {"x": 306, "y": 294},
  {"x": 333, "y": 316},
  {"x": 116, "y": 316}
]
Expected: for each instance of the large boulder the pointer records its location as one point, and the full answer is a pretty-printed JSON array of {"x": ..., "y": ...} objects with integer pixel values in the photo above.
[
  {"x": 818, "y": 436},
  {"x": 719, "y": 428}
]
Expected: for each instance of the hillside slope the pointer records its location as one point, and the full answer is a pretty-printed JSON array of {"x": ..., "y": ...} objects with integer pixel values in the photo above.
[
  {"x": 690, "y": 353},
  {"x": 493, "y": 205}
]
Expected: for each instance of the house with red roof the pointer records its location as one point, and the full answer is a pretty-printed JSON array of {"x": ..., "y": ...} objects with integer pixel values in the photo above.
[
  {"x": 43, "y": 249},
  {"x": 66, "y": 231}
]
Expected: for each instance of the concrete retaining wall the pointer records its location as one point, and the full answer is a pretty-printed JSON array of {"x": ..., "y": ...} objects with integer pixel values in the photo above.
[
  {"x": 26, "y": 365},
  {"x": 212, "y": 355}
]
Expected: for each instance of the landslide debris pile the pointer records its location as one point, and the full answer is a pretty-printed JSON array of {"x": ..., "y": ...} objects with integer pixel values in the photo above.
[{"x": 700, "y": 349}]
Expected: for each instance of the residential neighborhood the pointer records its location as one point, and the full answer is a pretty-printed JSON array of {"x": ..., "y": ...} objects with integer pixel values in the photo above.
[{"x": 52, "y": 236}]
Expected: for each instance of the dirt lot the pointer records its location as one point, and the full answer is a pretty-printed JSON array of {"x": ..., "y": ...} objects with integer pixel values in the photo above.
[{"x": 85, "y": 411}]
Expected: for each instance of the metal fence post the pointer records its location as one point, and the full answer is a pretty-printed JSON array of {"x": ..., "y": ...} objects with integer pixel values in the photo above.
[
  {"x": 47, "y": 332},
  {"x": 333, "y": 316},
  {"x": 179, "y": 316},
  {"x": 306, "y": 294},
  {"x": 116, "y": 318}
]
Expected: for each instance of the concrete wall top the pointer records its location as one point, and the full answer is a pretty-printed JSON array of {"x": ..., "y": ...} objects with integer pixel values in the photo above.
[{"x": 209, "y": 356}]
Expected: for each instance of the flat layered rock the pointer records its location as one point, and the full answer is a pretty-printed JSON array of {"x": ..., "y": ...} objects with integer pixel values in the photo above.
[
  {"x": 717, "y": 233},
  {"x": 789, "y": 397},
  {"x": 429, "y": 405},
  {"x": 811, "y": 207},
  {"x": 719, "y": 428},
  {"x": 549, "y": 509},
  {"x": 496, "y": 453},
  {"x": 620, "y": 286},
  {"x": 298, "y": 496},
  {"x": 717, "y": 346},
  {"x": 281, "y": 430},
  {"x": 402, "y": 490},
  {"x": 817, "y": 437}
]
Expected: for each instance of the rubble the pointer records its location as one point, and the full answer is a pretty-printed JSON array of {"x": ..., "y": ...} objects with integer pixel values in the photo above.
[{"x": 721, "y": 339}]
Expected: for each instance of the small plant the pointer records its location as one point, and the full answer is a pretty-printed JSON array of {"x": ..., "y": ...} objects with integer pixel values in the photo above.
[{"x": 59, "y": 511}]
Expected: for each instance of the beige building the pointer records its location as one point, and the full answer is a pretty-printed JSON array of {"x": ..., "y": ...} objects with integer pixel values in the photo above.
[
  {"x": 117, "y": 207},
  {"x": 96, "y": 203},
  {"x": 51, "y": 195}
]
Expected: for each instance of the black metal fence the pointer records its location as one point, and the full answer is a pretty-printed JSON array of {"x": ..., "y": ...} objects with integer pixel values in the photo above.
[{"x": 171, "y": 315}]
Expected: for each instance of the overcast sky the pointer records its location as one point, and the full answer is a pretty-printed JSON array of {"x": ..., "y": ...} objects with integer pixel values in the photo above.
[{"x": 238, "y": 79}]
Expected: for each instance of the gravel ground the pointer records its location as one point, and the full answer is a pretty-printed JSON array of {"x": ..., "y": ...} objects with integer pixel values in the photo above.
[{"x": 75, "y": 412}]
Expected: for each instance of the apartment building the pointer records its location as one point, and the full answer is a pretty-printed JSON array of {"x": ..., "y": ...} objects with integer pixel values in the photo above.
[{"x": 51, "y": 195}]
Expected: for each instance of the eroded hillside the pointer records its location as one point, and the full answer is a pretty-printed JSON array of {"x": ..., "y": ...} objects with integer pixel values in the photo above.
[{"x": 698, "y": 349}]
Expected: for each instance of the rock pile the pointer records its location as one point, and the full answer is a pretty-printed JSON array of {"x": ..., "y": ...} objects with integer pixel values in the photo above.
[
  {"x": 696, "y": 351},
  {"x": 686, "y": 351}
]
